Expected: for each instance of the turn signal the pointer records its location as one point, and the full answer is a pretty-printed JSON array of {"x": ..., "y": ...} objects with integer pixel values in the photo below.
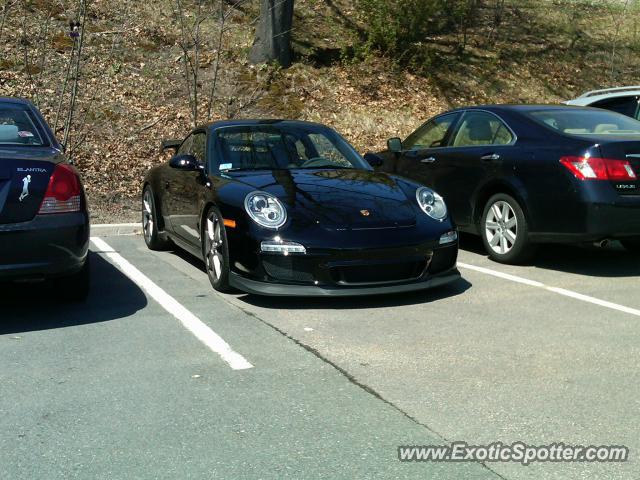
[{"x": 282, "y": 247}]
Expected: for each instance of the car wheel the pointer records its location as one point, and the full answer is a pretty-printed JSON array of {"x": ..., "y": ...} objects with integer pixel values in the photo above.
[
  {"x": 632, "y": 244},
  {"x": 150, "y": 222},
  {"x": 505, "y": 232},
  {"x": 216, "y": 250},
  {"x": 75, "y": 288}
]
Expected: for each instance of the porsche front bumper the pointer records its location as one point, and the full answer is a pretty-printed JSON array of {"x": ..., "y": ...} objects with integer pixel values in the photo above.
[
  {"x": 350, "y": 272},
  {"x": 281, "y": 290}
]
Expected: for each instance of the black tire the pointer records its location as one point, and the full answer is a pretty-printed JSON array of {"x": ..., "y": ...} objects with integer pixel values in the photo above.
[
  {"x": 510, "y": 233},
  {"x": 75, "y": 288},
  {"x": 631, "y": 244},
  {"x": 150, "y": 231},
  {"x": 215, "y": 249}
]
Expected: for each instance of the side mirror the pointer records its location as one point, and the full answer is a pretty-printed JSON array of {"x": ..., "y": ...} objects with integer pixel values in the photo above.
[
  {"x": 171, "y": 144},
  {"x": 373, "y": 159},
  {"x": 187, "y": 163},
  {"x": 394, "y": 145}
]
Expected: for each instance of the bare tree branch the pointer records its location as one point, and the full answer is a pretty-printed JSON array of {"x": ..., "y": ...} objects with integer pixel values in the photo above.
[
  {"x": 619, "y": 21},
  {"x": 8, "y": 5},
  {"x": 76, "y": 79}
]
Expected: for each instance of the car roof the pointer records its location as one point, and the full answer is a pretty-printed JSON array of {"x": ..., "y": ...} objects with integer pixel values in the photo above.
[
  {"x": 16, "y": 100},
  {"x": 522, "y": 108},
  {"x": 257, "y": 122},
  {"x": 590, "y": 100},
  {"x": 593, "y": 96}
]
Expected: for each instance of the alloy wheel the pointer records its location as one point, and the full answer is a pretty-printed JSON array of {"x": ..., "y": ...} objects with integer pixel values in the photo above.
[
  {"x": 501, "y": 227},
  {"x": 215, "y": 257},
  {"x": 147, "y": 215}
]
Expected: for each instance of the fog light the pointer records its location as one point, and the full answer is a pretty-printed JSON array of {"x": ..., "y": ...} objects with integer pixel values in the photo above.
[
  {"x": 282, "y": 247},
  {"x": 449, "y": 237}
]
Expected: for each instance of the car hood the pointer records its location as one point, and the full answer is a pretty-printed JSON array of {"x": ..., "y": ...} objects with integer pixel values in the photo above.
[{"x": 337, "y": 198}]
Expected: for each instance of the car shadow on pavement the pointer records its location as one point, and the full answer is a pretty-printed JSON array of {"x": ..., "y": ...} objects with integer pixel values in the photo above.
[
  {"x": 612, "y": 261},
  {"x": 33, "y": 306},
  {"x": 349, "y": 303}
]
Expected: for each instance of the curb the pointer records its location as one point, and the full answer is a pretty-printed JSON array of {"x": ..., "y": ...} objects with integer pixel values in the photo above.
[{"x": 116, "y": 229}]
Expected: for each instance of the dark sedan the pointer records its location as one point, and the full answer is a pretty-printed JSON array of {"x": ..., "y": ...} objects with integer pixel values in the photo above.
[
  {"x": 524, "y": 175},
  {"x": 44, "y": 224},
  {"x": 290, "y": 208}
]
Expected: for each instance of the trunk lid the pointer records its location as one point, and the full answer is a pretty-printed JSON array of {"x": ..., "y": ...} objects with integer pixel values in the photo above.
[{"x": 24, "y": 178}]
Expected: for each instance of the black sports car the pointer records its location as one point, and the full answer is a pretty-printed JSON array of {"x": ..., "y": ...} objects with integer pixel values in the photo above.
[
  {"x": 44, "y": 224},
  {"x": 290, "y": 208},
  {"x": 528, "y": 174}
]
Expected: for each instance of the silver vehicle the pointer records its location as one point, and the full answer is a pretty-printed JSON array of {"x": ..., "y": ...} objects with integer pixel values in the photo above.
[{"x": 623, "y": 100}]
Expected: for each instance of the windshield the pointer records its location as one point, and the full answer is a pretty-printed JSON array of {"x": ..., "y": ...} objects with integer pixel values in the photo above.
[
  {"x": 17, "y": 127},
  {"x": 283, "y": 147},
  {"x": 587, "y": 122}
]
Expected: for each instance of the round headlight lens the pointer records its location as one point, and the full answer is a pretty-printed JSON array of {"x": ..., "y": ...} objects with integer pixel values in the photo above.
[
  {"x": 265, "y": 209},
  {"x": 431, "y": 203}
]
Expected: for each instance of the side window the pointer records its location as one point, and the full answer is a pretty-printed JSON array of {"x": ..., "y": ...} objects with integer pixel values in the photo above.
[
  {"x": 430, "y": 135},
  {"x": 625, "y": 105},
  {"x": 185, "y": 148},
  {"x": 481, "y": 128},
  {"x": 199, "y": 146}
]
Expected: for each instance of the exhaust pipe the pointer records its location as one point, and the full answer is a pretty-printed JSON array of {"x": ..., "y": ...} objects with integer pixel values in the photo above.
[{"x": 603, "y": 243}]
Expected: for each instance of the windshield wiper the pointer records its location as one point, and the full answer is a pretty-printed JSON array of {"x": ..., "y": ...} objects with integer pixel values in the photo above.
[
  {"x": 243, "y": 169},
  {"x": 321, "y": 167}
]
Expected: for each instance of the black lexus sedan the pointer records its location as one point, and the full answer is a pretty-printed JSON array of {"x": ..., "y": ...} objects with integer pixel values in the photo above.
[
  {"x": 521, "y": 175},
  {"x": 44, "y": 224},
  {"x": 290, "y": 208}
]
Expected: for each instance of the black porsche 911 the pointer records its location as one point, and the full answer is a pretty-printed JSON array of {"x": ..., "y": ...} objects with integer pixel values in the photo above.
[
  {"x": 44, "y": 224},
  {"x": 290, "y": 208},
  {"x": 529, "y": 174}
]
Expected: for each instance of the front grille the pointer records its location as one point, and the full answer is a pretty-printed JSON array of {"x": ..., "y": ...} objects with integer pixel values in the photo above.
[
  {"x": 443, "y": 259},
  {"x": 288, "y": 269},
  {"x": 381, "y": 273}
]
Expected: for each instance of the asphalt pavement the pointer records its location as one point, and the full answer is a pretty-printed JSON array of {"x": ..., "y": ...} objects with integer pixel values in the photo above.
[{"x": 158, "y": 376}]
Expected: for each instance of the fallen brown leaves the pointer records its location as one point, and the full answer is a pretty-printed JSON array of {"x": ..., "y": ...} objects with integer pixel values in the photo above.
[{"x": 132, "y": 91}]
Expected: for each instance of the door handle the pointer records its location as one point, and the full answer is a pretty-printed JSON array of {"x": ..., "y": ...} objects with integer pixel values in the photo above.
[
  {"x": 490, "y": 157},
  {"x": 428, "y": 160}
]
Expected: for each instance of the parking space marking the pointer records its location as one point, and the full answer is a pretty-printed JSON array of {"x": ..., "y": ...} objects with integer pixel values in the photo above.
[
  {"x": 192, "y": 323},
  {"x": 114, "y": 225},
  {"x": 557, "y": 290}
]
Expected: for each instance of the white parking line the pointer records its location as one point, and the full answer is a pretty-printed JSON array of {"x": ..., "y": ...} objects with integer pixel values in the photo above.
[
  {"x": 559, "y": 291},
  {"x": 105, "y": 225},
  {"x": 192, "y": 323}
]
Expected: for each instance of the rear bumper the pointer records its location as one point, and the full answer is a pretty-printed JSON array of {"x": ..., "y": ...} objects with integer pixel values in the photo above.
[
  {"x": 599, "y": 221},
  {"x": 47, "y": 246},
  {"x": 280, "y": 290}
]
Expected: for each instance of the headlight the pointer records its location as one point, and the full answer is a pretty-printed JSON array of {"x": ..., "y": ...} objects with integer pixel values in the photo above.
[
  {"x": 431, "y": 203},
  {"x": 265, "y": 209}
]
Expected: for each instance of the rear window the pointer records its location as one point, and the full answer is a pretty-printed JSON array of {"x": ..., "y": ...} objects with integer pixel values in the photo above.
[
  {"x": 587, "y": 122},
  {"x": 18, "y": 127}
]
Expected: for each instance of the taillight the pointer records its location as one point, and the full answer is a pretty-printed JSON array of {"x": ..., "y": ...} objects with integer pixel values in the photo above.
[
  {"x": 63, "y": 193},
  {"x": 592, "y": 168}
]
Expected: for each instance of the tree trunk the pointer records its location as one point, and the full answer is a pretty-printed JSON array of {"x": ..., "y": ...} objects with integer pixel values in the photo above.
[{"x": 273, "y": 33}]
